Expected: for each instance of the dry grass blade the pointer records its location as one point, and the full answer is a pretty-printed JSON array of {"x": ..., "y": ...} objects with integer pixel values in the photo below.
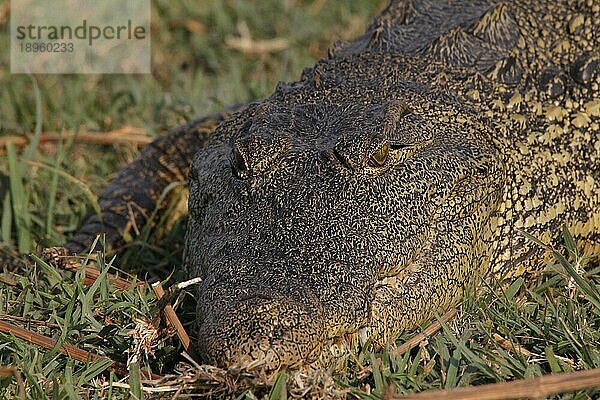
[
  {"x": 71, "y": 351},
  {"x": 173, "y": 321},
  {"x": 59, "y": 257},
  {"x": 426, "y": 334},
  {"x": 539, "y": 387},
  {"x": 510, "y": 346},
  {"x": 7, "y": 372},
  {"x": 28, "y": 321},
  {"x": 251, "y": 46},
  {"x": 7, "y": 280},
  {"x": 125, "y": 135},
  {"x": 91, "y": 275},
  {"x": 48, "y": 343},
  {"x": 246, "y": 44}
]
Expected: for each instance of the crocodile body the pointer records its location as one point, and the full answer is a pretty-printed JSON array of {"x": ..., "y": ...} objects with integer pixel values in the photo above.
[{"x": 364, "y": 198}]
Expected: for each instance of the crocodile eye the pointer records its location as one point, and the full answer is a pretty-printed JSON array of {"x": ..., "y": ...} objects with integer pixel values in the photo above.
[
  {"x": 380, "y": 157},
  {"x": 240, "y": 166}
]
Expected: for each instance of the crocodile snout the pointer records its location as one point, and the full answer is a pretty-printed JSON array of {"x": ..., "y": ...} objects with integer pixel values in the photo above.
[{"x": 265, "y": 330}]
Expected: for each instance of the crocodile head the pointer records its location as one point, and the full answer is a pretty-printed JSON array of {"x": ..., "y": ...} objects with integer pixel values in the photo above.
[{"x": 305, "y": 212}]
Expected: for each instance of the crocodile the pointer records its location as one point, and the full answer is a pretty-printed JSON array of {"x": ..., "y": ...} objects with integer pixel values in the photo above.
[{"x": 398, "y": 172}]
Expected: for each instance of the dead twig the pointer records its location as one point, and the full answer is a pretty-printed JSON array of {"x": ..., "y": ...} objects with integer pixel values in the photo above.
[
  {"x": 185, "y": 284},
  {"x": 28, "y": 321},
  {"x": 512, "y": 347},
  {"x": 246, "y": 44},
  {"x": 6, "y": 372},
  {"x": 67, "y": 349},
  {"x": 426, "y": 334},
  {"x": 92, "y": 274},
  {"x": 125, "y": 135},
  {"x": 59, "y": 256},
  {"x": 174, "y": 322},
  {"x": 540, "y": 387},
  {"x": 7, "y": 280}
]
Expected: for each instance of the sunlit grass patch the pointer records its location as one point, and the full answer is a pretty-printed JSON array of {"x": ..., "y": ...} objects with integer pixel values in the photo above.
[{"x": 96, "y": 318}]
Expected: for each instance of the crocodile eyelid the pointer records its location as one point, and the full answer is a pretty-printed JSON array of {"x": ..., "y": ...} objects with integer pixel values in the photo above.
[
  {"x": 399, "y": 146},
  {"x": 380, "y": 157}
]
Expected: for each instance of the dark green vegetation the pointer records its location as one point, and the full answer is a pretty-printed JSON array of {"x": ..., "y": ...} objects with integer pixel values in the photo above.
[{"x": 552, "y": 317}]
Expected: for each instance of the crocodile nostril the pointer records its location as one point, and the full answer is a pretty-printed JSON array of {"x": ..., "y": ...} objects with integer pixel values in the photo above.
[{"x": 239, "y": 164}]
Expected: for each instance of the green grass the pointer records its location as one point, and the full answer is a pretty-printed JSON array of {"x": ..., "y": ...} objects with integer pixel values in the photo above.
[{"x": 46, "y": 189}]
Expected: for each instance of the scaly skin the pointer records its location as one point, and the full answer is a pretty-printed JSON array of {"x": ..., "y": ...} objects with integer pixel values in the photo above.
[{"x": 364, "y": 198}]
